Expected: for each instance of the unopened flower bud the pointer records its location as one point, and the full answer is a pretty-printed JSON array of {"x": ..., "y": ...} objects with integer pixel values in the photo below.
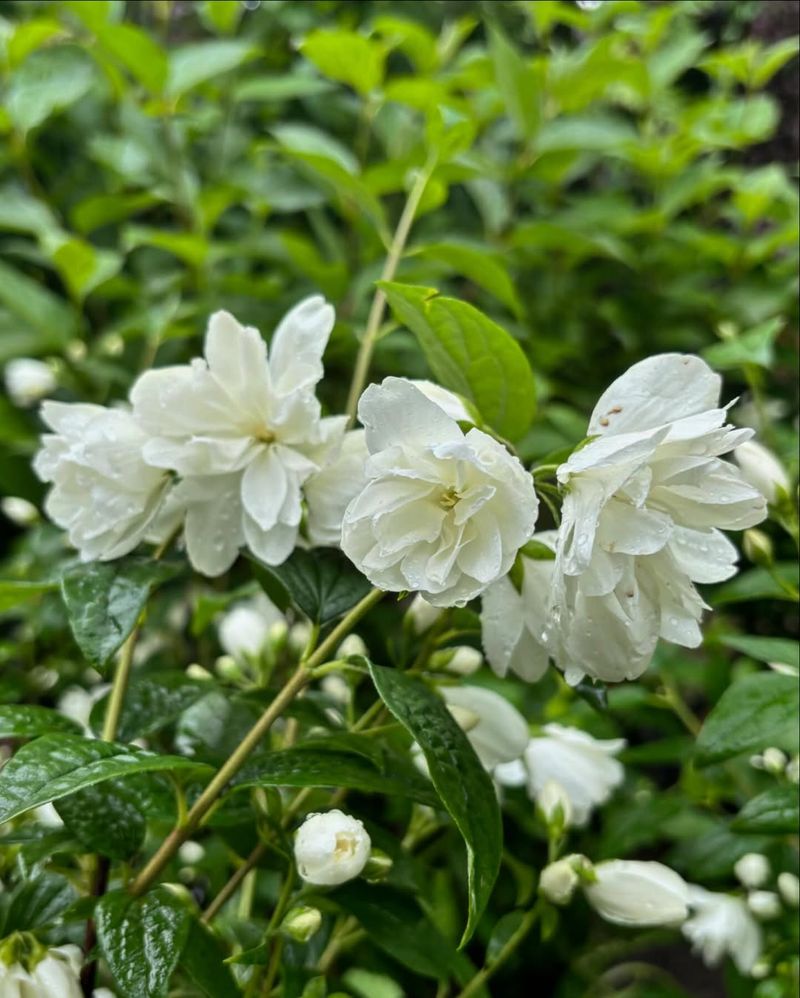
[
  {"x": 331, "y": 848},
  {"x": 792, "y": 771},
  {"x": 191, "y": 853},
  {"x": 28, "y": 380},
  {"x": 421, "y": 615},
  {"x": 760, "y": 970},
  {"x": 301, "y": 923},
  {"x": 227, "y": 668},
  {"x": 762, "y": 469},
  {"x": 353, "y": 644},
  {"x": 337, "y": 688},
  {"x": 298, "y": 637},
  {"x": 464, "y": 660},
  {"x": 789, "y": 886},
  {"x": 633, "y": 893},
  {"x": 758, "y": 547},
  {"x": 555, "y": 805},
  {"x": 559, "y": 880},
  {"x": 112, "y": 345},
  {"x": 774, "y": 760},
  {"x": 19, "y": 511},
  {"x": 379, "y": 865},
  {"x": 278, "y": 634},
  {"x": 752, "y": 869},
  {"x": 196, "y": 671},
  {"x": 764, "y": 904}
]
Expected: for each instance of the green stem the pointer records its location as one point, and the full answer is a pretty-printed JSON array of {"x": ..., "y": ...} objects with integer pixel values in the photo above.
[
  {"x": 378, "y": 307},
  {"x": 119, "y": 687},
  {"x": 478, "y": 981},
  {"x": 298, "y": 681}
]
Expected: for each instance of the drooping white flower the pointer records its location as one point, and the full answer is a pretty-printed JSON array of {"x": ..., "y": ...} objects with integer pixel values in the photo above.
[
  {"x": 498, "y": 733},
  {"x": 28, "y": 380},
  {"x": 55, "y": 975},
  {"x": 443, "y": 513},
  {"x": 585, "y": 767},
  {"x": 329, "y": 492},
  {"x": 331, "y": 848},
  {"x": 721, "y": 924},
  {"x": 645, "y": 502},
  {"x": 632, "y": 893},
  {"x": 762, "y": 469},
  {"x": 245, "y": 628},
  {"x": 752, "y": 869},
  {"x": 244, "y": 431},
  {"x": 513, "y": 624},
  {"x": 19, "y": 511},
  {"x": 104, "y": 494},
  {"x": 764, "y": 904},
  {"x": 789, "y": 887}
]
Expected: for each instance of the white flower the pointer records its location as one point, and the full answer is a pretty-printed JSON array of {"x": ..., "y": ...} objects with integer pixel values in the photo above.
[
  {"x": 244, "y": 432},
  {"x": 245, "y": 628},
  {"x": 558, "y": 880},
  {"x": 762, "y": 469},
  {"x": 721, "y": 924},
  {"x": 774, "y": 760},
  {"x": 19, "y": 510},
  {"x": 104, "y": 494},
  {"x": 628, "y": 892},
  {"x": 555, "y": 804},
  {"x": 512, "y": 774},
  {"x": 641, "y": 519},
  {"x": 513, "y": 624},
  {"x": 789, "y": 886},
  {"x": 328, "y": 492},
  {"x": 191, "y": 853},
  {"x": 764, "y": 904},
  {"x": 422, "y": 614},
  {"x": 443, "y": 513},
  {"x": 752, "y": 869},
  {"x": 498, "y": 731},
  {"x": 331, "y": 848},
  {"x": 54, "y": 976},
  {"x": 464, "y": 660},
  {"x": 583, "y": 766},
  {"x": 353, "y": 644},
  {"x": 28, "y": 380},
  {"x": 450, "y": 403}
]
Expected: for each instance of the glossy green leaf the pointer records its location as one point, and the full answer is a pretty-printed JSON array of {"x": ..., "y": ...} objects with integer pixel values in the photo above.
[
  {"x": 322, "y": 583},
  {"x": 753, "y": 713},
  {"x": 470, "y": 354},
  {"x": 777, "y": 582},
  {"x": 463, "y": 785},
  {"x": 202, "y": 959},
  {"x": 152, "y": 701},
  {"x": 142, "y": 939},
  {"x": 37, "y": 901},
  {"x": 19, "y": 720},
  {"x": 48, "y": 81},
  {"x": 106, "y": 818},
  {"x": 347, "y": 57},
  {"x": 54, "y": 766},
  {"x": 104, "y": 600},
  {"x": 776, "y": 811},
  {"x": 782, "y": 650}
]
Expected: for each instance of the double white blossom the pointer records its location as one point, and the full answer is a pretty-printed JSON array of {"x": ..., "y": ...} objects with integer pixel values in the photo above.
[
  {"x": 331, "y": 848},
  {"x": 55, "y": 975},
  {"x": 443, "y": 512},
  {"x": 720, "y": 924},
  {"x": 244, "y": 431}
]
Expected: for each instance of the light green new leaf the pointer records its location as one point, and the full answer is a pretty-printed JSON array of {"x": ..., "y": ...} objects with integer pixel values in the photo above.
[
  {"x": 14, "y": 593},
  {"x": 782, "y": 650},
  {"x": 756, "y": 346},
  {"x": 54, "y": 766},
  {"x": 776, "y": 811},
  {"x": 192, "y": 65},
  {"x": 138, "y": 52},
  {"x": 518, "y": 83},
  {"x": 48, "y": 81},
  {"x": 50, "y": 316},
  {"x": 463, "y": 785},
  {"x": 470, "y": 354},
  {"x": 755, "y": 712},
  {"x": 347, "y": 57}
]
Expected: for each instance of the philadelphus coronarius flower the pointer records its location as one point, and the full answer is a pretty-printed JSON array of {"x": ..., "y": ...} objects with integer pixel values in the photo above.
[
  {"x": 104, "y": 494},
  {"x": 645, "y": 501},
  {"x": 632, "y": 893},
  {"x": 722, "y": 924},
  {"x": 762, "y": 469},
  {"x": 443, "y": 512},
  {"x": 244, "y": 431},
  {"x": 495, "y": 729},
  {"x": 331, "y": 848},
  {"x": 53, "y": 974},
  {"x": 245, "y": 628},
  {"x": 328, "y": 492}
]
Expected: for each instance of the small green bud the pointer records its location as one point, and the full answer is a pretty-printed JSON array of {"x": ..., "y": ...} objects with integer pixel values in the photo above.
[
  {"x": 301, "y": 923},
  {"x": 379, "y": 866},
  {"x": 758, "y": 547}
]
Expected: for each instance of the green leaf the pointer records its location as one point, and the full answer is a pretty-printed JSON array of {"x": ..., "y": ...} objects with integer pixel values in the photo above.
[
  {"x": 192, "y": 65},
  {"x": 138, "y": 52},
  {"x": 477, "y": 263},
  {"x": 38, "y": 901},
  {"x": 152, "y": 701},
  {"x": 315, "y": 767},
  {"x": 222, "y": 15},
  {"x": 756, "y": 346},
  {"x": 782, "y": 650},
  {"x": 39, "y": 308},
  {"x": 104, "y": 600},
  {"x": 777, "y": 811},
  {"x": 470, "y": 354},
  {"x": 29, "y": 721},
  {"x": 81, "y": 266},
  {"x": 203, "y": 960},
  {"x": 396, "y": 923},
  {"x": 463, "y": 785},
  {"x": 278, "y": 88},
  {"x": 597, "y": 132},
  {"x": 777, "y": 582},
  {"x": 54, "y": 766},
  {"x": 106, "y": 819},
  {"x": 322, "y": 583},
  {"x": 48, "y": 81},
  {"x": 142, "y": 939},
  {"x": 755, "y": 712},
  {"x": 346, "y": 57},
  {"x": 14, "y": 594},
  {"x": 518, "y": 83}
]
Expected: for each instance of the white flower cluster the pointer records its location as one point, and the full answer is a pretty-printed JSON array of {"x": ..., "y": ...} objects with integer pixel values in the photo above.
[{"x": 645, "y": 501}]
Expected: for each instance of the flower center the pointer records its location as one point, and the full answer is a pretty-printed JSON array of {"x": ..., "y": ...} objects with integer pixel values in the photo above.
[
  {"x": 449, "y": 498},
  {"x": 265, "y": 435},
  {"x": 345, "y": 846}
]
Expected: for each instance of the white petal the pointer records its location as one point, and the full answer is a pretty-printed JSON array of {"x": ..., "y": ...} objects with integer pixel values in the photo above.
[
  {"x": 237, "y": 358},
  {"x": 395, "y": 412},
  {"x": 501, "y": 734},
  {"x": 704, "y": 555},
  {"x": 295, "y": 354},
  {"x": 264, "y": 488},
  {"x": 213, "y": 528}
]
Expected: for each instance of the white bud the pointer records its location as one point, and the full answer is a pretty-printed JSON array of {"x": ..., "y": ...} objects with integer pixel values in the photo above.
[
  {"x": 191, "y": 853},
  {"x": 353, "y": 644},
  {"x": 555, "y": 804},
  {"x": 757, "y": 761},
  {"x": 302, "y": 922},
  {"x": 792, "y": 771},
  {"x": 245, "y": 629},
  {"x": 298, "y": 637},
  {"x": 21, "y": 512},
  {"x": 559, "y": 880},
  {"x": 465, "y": 660},
  {"x": 762, "y": 469},
  {"x": 760, "y": 970},
  {"x": 112, "y": 345},
  {"x": 789, "y": 886},
  {"x": 337, "y": 688},
  {"x": 331, "y": 848},
  {"x": 197, "y": 671},
  {"x": 764, "y": 904},
  {"x": 774, "y": 760},
  {"x": 28, "y": 380},
  {"x": 76, "y": 351},
  {"x": 422, "y": 615},
  {"x": 628, "y": 892},
  {"x": 752, "y": 869}
]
